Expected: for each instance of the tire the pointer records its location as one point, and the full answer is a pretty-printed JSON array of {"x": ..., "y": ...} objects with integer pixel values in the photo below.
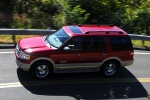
[
  {"x": 41, "y": 70},
  {"x": 109, "y": 68}
]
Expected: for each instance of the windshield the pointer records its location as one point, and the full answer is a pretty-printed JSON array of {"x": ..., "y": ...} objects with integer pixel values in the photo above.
[{"x": 58, "y": 38}]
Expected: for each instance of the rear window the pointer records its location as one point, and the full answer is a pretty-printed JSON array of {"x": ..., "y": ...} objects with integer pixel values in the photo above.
[{"x": 120, "y": 43}]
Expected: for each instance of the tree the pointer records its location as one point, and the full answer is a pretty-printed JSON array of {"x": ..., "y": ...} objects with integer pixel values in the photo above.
[
  {"x": 6, "y": 12},
  {"x": 70, "y": 14},
  {"x": 129, "y": 14},
  {"x": 132, "y": 15},
  {"x": 35, "y": 13}
]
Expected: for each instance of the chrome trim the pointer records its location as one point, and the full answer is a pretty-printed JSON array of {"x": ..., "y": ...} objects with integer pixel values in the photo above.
[
  {"x": 18, "y": 51},
  {"x": 92, "y": 65}
]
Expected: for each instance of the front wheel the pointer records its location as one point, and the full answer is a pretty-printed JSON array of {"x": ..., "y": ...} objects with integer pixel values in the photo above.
[
  {"x": 41, "y": 70},
  {"x": 110, "y": 68}
]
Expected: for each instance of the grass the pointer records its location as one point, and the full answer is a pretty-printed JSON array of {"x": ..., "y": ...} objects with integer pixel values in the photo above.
[
  {"x": 8, "y": 39},
  {"x": 140, "y": 43},
  {"x": 148, "y": 96}
]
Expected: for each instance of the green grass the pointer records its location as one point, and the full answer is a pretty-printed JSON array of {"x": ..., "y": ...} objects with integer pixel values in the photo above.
[
  {"x": 140, "y": 43},
  {"x": 8, "y": 39}
]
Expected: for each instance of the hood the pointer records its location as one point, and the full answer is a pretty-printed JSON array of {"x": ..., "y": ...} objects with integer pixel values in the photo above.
[{"x": 34, "y": 42}]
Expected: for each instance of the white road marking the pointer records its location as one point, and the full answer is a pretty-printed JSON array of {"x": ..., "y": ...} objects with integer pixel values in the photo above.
[
  {"x": 9, "y": 52},
  {"x": 10, "y": 85},
  {"x": 142, "y": 53}
]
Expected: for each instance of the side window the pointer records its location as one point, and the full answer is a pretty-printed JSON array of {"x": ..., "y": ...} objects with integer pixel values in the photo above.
[
  {"x": 94, "y": 43},
  {"x": 120, "y": 43},
  {"x": 75, "y": 44}
]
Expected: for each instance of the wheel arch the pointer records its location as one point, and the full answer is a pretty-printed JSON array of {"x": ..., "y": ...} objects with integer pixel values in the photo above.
[
  {"x": 43, "y": 59},
  {"x": 106, "y": 71},
  {"x": 111, "y": 59}
]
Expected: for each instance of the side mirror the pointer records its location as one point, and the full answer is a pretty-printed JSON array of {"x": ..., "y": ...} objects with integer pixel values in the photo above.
[{"x": 66, "y": 48}]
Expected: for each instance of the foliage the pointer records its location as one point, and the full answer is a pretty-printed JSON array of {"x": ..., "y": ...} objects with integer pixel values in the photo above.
[
  {"x": 70, "y": 15},
  {"x": 131, "y": 15},
  {"x": 6, "y": 13}
]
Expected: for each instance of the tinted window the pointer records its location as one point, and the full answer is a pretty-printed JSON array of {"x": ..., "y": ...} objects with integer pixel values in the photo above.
[
  {"x": 58, "y": 38},
  {"x": 94, "y": 43},
  {"x": 75, "y": 43},
  {"x": 120, "y": 42},
  {"x": 75, "y": 29}
]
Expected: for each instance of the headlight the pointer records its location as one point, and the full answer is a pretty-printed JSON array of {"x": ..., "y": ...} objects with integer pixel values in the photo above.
[
  {"x": 17, "y": 47},
  {"x": 24, "y": 56}
]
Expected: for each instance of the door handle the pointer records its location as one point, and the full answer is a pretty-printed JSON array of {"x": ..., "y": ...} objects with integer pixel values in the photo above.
[
  {"x": 104, "y": 54},
  {"x": 78, "y": 55}
]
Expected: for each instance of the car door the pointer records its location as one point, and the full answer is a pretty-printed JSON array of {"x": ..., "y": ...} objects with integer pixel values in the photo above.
[
  {"x": 94, "y": 53},
  {"x": 70, "y": 56}
]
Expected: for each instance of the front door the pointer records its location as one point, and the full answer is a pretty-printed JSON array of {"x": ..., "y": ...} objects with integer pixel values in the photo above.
[{"x": 70, "y": 56}]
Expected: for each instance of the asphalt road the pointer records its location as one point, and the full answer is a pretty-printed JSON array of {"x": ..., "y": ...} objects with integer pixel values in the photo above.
[{"x": 132, "y": 82}]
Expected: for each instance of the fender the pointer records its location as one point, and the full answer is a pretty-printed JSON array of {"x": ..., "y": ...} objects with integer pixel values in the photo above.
[
  {"x": 111, "y": 58},
  {"x": 47, "y": 59}
]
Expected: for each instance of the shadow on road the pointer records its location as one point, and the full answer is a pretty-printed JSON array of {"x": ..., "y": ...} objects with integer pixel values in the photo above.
[{"x": 85, "y": 85}]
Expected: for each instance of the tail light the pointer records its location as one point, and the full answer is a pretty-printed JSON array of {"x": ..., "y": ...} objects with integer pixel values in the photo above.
[{"x": 131, "y": 54}]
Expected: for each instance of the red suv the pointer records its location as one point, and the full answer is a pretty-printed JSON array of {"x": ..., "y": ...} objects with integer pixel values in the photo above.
[{"x": 76, "y": 48}]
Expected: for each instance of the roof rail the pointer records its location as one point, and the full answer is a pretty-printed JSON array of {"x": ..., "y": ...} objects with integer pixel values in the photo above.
[
  {"x": 107, "y": 32},
  {"x": 111, "y": 25},
  {"x": 79, "y": 24},
  {"x": 94, "y": 25}
]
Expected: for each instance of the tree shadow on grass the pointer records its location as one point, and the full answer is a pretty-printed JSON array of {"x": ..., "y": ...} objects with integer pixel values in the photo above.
[{"x": 85, "y": 85}]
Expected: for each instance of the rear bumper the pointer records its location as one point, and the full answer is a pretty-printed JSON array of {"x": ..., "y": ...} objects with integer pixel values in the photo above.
[
  {"x": 23, "y": 66},
  {"x": 127, "y": 63}
]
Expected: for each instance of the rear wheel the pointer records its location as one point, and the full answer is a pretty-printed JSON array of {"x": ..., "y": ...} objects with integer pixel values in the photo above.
[
  {"x": 110, "y": 68},
  {"x": 41, "y": 70}
]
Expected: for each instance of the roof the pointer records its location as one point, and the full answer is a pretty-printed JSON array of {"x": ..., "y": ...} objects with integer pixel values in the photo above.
[{"x": 94, "y": 30}]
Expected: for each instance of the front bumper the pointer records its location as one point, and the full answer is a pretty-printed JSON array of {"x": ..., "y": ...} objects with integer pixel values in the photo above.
[{"x": 23, "y": 66}]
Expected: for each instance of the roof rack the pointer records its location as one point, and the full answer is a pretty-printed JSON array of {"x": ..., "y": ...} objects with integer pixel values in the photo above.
[
  {"x": 111, "y": 25},
  {"x": 94, "y": 25},
  {"x": 107, "y": 32},
  {"x": 79, "y": 24}
]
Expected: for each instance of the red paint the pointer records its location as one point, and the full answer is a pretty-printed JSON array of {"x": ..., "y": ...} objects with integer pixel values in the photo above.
[{"x": 39, "y": 48}]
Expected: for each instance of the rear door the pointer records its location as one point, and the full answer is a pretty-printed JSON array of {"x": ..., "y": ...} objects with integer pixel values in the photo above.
[
  {"x": 94, "y": 53},
  {"x": 121, "y": 47}
]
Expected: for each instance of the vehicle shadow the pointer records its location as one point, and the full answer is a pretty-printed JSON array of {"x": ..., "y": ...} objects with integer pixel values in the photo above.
[{"x": 85, "y": 85}]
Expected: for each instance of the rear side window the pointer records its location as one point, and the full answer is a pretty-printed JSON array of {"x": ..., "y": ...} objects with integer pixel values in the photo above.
[
  {"x": 120, "y": 43},
  {"x": 94, "y": 43}
]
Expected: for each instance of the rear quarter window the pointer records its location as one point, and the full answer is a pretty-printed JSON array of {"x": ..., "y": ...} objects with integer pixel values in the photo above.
[{"x": 120, "y": 42}]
